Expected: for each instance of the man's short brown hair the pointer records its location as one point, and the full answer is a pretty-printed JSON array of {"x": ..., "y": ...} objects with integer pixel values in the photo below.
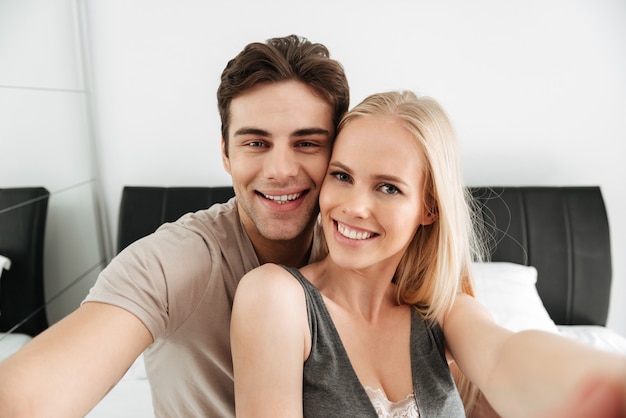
[{"x": 282, "y": 59}]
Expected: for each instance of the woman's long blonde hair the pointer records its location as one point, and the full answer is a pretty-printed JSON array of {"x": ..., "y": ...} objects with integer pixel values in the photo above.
[{"x": 437, "y": 263}]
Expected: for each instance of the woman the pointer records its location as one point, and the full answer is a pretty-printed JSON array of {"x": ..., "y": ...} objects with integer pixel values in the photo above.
[{"x": 383, "y": 316}]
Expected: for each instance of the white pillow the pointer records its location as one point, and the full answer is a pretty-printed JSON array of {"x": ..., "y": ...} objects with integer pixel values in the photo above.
[
  {"x": 508, "y": 290},
  {"x": 5, "y": 264}
]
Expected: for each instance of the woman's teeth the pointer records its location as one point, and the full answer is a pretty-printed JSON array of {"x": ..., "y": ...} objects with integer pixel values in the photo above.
[{"x": 352, "y": 234}]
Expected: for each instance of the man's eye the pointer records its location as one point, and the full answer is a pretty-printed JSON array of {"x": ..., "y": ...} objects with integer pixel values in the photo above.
[
  {"x": 255, "y": 144},
  {"x": 389, "y": 189},
  {"x": 308, "y": 145}
]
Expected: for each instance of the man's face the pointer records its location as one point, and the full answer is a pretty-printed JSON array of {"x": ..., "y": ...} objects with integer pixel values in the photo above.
[{"x": 279, "y": 145}]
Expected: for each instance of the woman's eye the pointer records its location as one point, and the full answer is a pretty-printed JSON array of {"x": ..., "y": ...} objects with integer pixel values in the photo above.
[
  {"x": 389, "y": 189},
  {"x": 341, "y": 176}
]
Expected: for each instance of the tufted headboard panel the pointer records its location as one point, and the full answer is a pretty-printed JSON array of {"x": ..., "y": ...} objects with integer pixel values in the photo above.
[
  {"x": 562, "y": 231},
  {"x": 23, "y": 214},
  {"x": 144, "y": 209}
]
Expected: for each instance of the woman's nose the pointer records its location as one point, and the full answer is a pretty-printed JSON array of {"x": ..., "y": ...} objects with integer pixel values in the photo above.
[{"x": 357, "y": 203}]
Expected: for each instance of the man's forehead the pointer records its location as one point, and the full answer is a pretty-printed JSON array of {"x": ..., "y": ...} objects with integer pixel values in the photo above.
[{"x": 279, "y": 96}]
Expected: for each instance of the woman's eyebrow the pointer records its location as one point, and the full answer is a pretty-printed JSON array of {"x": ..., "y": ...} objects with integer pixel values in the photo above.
[
  {"x": 337, "y": 164},
  {"x": 378, "y": 177}
]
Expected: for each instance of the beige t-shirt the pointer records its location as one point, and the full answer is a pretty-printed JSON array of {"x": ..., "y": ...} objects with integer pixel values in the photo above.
[{"x": 180, "y": 282}]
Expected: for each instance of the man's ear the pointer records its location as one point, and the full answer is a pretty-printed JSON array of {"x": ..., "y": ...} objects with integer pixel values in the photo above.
[{"x": 225, "y": 159}]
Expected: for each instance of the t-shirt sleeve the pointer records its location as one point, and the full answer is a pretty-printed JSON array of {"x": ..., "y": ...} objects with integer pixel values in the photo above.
[{"x": 145, "y": 276}]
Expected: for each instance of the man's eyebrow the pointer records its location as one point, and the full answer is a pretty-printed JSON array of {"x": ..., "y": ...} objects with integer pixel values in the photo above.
[
  {"x": 311, "y": 131},
  {"x": 251, "y": 131},
  {"x": 298, "y": 133}
]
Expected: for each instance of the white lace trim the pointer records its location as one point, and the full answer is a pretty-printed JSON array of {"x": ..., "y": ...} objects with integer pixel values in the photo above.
[{"x": 404, "y": 408}]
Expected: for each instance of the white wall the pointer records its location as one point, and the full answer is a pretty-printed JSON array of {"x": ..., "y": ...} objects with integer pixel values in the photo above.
[
  {"x": 537, "y": 89},
  {"x": 44, "y": 134}
]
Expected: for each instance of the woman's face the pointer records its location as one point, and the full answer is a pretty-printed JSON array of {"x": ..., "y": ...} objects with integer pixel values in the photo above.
[{"x": 371, "y": 200}]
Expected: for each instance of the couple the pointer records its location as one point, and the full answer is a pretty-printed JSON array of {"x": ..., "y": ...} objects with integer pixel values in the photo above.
[{"x": 392, "y": 187}]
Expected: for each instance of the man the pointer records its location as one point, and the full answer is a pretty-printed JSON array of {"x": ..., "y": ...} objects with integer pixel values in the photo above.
[{"x": 171, "y": 292}]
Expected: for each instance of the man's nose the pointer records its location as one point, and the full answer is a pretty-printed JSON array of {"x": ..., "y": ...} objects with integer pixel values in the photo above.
[{"x": 281, "y": 163}]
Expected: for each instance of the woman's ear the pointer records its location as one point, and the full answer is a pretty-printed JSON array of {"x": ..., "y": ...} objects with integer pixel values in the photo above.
[
  {"x": 225, "y": 159},
  {"x": 430, "y": 216}
]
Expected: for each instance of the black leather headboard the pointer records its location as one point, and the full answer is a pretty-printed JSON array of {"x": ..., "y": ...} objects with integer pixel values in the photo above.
[
  {"x": 23, "y": 213},
  {"x": 144, "y": 209},
  {"x": 562, "y": 231}
]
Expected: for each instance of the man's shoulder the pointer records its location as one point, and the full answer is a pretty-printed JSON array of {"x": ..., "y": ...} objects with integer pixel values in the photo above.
[
  {"x": 204, "y": 236},
  {"x": 215, "y": 234}
]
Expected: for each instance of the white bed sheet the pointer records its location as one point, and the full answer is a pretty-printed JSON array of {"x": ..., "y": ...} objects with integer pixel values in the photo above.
[
  {"x": 600, "y": 337},
  {"x": 130, "y": 398}
]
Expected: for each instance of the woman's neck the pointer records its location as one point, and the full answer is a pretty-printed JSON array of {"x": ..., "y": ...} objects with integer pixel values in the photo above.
[{"x": 366, "y": 293}]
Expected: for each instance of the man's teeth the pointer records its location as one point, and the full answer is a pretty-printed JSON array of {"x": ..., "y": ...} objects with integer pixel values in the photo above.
[
  {"x": 283, "y": 198},
  {"x": 352, "y": 234}
]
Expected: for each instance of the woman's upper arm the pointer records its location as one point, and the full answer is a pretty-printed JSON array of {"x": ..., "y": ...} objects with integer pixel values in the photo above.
[
  {"x": 68, "y": 368},
  {"x": 270, "y": 340}
]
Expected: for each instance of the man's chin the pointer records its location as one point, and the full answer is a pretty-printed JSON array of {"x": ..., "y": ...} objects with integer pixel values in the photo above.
[
  {"x": 282, "y": 235},
  {"x": 278, "y": 231},
  {"x": 286, "y": 226}
]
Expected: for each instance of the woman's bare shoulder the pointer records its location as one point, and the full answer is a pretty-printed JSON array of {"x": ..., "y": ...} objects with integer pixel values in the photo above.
[{"x": 270, "y": 281}]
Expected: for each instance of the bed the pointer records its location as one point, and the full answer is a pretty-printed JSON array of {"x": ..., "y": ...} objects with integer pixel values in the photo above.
[{"x": 549, "y": 268}]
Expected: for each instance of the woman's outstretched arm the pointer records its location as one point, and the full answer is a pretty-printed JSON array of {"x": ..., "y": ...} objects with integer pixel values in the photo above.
[{"x": 529, "y": 373}]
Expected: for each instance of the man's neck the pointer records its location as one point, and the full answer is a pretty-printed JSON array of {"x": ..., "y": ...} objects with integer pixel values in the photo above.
[{"x": 293, "y": 253}]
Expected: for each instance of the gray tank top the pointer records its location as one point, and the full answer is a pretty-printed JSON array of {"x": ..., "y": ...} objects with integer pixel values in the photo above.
[{"x": 331, "y": 387}]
